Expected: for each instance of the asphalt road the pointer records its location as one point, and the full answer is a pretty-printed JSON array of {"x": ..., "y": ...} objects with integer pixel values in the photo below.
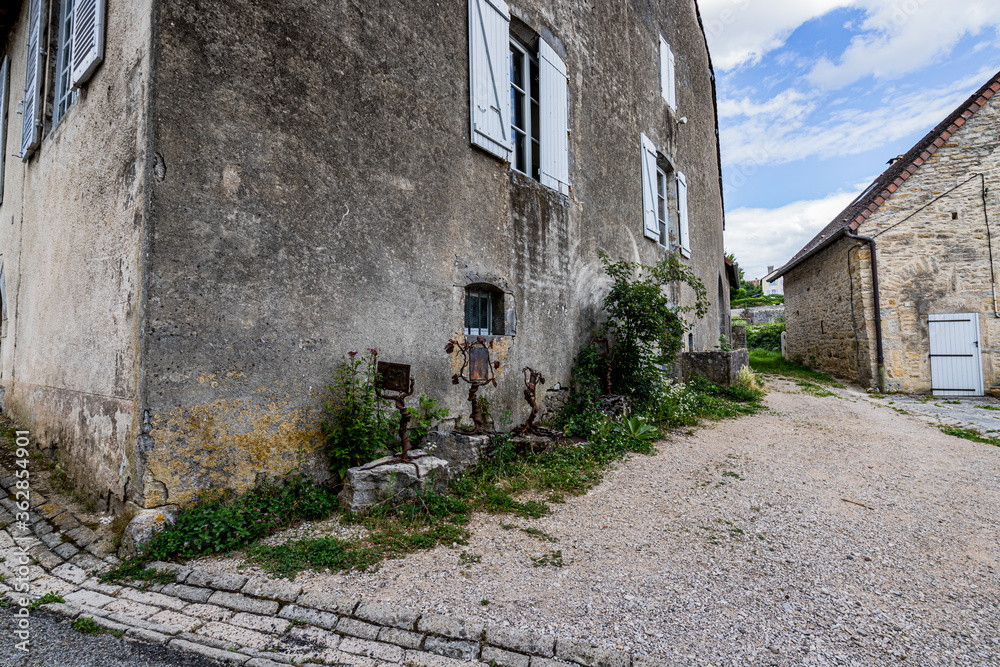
[{"x": 54, "y": 643}]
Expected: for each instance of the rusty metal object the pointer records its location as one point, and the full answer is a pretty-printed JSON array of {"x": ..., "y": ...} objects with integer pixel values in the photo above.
[
  {"x": 396, "y": 378},
  {"x": 532, "y": 378},
  {"x": 604, "y": 351},
  {"x": 477, "y": 370}
]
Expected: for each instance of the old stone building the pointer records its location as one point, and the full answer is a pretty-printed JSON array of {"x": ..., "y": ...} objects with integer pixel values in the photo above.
[
  {"x": 927, "y": 318},
  {"x": 207, "y": 204}
]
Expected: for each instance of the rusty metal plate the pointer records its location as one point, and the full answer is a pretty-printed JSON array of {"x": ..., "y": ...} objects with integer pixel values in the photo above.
[
  {"x": 479, "y": 364},
  {"x": 602, "y": 346},
  {"x": 395, "y": 377}
]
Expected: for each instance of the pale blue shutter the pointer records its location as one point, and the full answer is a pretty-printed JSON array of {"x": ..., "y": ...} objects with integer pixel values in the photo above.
[
  {"x": 87, "y": 50},
  {"x": 554, "y": 109},
  {"x": 650, "y": 225},
  {"x": 4, "y": 102},
  {"x": 31, "y": 105},
  {"x": 682, "y": 211},
  {"x": 489, "y": 75},
  {"x": 668, "y": 86}
]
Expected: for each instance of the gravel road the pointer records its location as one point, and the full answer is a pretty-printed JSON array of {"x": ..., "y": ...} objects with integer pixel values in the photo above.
[
  {"x": 829, "y": 530},
  {"x": 55, "y": 644}
]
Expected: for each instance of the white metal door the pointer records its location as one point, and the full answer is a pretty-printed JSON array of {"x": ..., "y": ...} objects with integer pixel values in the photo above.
[{"x": 956, "y": 366}]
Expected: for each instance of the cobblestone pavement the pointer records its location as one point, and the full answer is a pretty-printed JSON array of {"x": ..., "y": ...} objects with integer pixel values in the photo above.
[{"x": 981, "y": 413}]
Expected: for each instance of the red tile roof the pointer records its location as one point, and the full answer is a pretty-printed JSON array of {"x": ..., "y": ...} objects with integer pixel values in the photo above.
[{"x": 882, "y": 187}]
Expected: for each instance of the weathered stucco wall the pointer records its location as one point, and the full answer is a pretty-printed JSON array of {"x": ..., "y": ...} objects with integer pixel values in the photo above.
[
  {"x": 73, "y": 221},
  {"x": 933, "y": 258},
  {"x": 321, "y": 195}
]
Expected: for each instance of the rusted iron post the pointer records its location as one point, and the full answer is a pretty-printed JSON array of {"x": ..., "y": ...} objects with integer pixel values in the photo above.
[
  {"x": 477, "y": 370},
  {"x": 532, "y": 378},
  {"x": 396, "y": 378}
]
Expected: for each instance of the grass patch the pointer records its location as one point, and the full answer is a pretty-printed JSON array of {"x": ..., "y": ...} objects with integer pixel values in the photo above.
[
  {"x": 554, "y": 558},
  {"x": 951, "y": 402},
  {"x": 767, "y": 361},
  {"x": 988, "y": 407},
  {"x": 813, "y": 388},
  {"x": 89, "y": 626},
  {"x": 48, "y": 598},
  {"x": 970, "y": 434}
]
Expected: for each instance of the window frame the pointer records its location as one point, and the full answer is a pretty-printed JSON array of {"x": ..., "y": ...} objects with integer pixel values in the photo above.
[
  {"x": 65, "y": 95},
  {"x": 496, "y": 315},
  {"x": 531, "y": 110}
]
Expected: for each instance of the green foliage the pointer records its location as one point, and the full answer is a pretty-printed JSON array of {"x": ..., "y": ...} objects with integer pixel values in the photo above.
[
  {"x": 221, "y": 520},
  {"x": 648, "y": 330},
  {"x": 359, "y": 425},
  {"x": 636, "y": 428},
  {"x": 51, "y": 596},
  {"x": 425, "y": 417},
  {"x": 766, "y": 361},
  {"x": 88, "y": 626},
  {"x": 759, "y": 300},
  {"x": 765, "y": 336},
  {"x": 686, "y": 404},
  {"x": 134, "y": 569},
  {"x": 554, "y": 558},
  {"x": 969, "y": 434},
  {"x": 814, "y": 389}
]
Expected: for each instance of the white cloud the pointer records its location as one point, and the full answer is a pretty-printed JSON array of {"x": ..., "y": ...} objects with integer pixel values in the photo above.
[
  {"x": 903, "y": 37},
  {"x": 741, "y": 32},
  {"x": 753, "y": 137},
  {"x": 764, "y": 237}
]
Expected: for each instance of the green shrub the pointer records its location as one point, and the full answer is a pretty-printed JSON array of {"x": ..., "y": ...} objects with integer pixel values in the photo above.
[
  {"x": 765, "y": 336},
  {"x": 359, "y": 425},
  {"x": 423, "y": 418}
]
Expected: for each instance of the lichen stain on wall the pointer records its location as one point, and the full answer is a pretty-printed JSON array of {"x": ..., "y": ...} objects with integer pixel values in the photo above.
[{"x": 227, "y": 443}]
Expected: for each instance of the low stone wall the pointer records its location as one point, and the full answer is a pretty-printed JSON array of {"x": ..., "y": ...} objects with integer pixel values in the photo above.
[
  {"x": 718, "y": 366},
  {"x": 738, "y": 339},
  {"x": 759, "y": 314}
]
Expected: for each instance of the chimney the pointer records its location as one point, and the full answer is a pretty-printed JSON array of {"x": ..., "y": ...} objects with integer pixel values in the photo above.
[{"x": 770, "y": 270}]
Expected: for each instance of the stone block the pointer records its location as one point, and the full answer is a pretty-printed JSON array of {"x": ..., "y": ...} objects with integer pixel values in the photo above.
[
  {"x": 450, "y": 626},
  {"x": 315, "y": 637},
  {"x": 83, "y": 536},
  {"x": 130, "y": 609},
  {"x": 235, "y": 635},
  {"x": 217, "y": 580},
  {"x": 523, "y": 642},
  {"x": 94, "y": 584},
  {"x": 90, "y": 598},
  {"x": 260, "y": 623},
  {"x": 184, "y": 622},
  {"x": 502, "y": 658},
  {"x": 459, "y": 450},
  {"x": 399, "y": 637},
  {"x": 44, "y": 557},
  {"x": 590, "y": 655},
  {"x": 271, "y": 589},
  {"x": 155, "y": 599},
  {"x": 366, "y": 486},
  {"x": 225, "y": 657},
  {"x": 70, "y": 573},
  {"x": 189, "y": 593},
  {"x": 306, "y": 615},
  {"x": 62, "y": 549},
  {"x": 550, "y": 662},
  {"x": 451, "y": 648},
  {"x": 147, "y": 636},
  {"x": 320, "y": 599},
  {"x": 181, "y": 572},
  {"x": 88, "y": 562},
  {"x": 718, "y": 366},
  {"x": 383, "y": 614},
  {"x": 356, "y": 628},
  {"x": 209, "y": 612},
  {"x": 142, "y": 527},
  {"x": 422, "y": 659},
  {"x": 239, "y": 602},
  {"x": 375, "y": 650},
  {"x": 639, "y": 660},
  {"x": 67, "y": 610}
]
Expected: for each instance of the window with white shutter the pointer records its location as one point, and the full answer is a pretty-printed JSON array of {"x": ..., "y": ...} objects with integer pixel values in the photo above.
[
  {"x": 4, "y": 101},
  {"x": 668, "y": 87},
  {"x": 31, "y": 104},
  {"x": 87, "y": 50},
  {"x": 64, "y": 94},
  {"x": 682, "y": 212},
  {"x": 489, "y": 78},
  {"x": 650, "y": 223},
  {"x": 554, "y": 100}
]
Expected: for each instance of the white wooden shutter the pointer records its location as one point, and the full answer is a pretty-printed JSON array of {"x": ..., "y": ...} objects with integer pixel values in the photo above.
[
  {"x": 682, "y": 211},
  {"x": 554, "y": 109},
  {"x": 87, "y": 49},
  {"x": 31, "y": 104},
  {"x": 668, "y": 86},
  {"x": 650, "y": 224},
  {"x": 4, "y": 102},
  {"x": 489, "y": 75}
]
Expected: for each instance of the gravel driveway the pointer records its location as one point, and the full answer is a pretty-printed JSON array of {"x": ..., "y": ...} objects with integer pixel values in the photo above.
[{"x": 737, "y": 545}]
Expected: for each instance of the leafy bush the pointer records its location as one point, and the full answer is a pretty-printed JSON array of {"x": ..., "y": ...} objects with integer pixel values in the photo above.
[
  {"x": 767, "y": 361},
  {"x": 359, "y": 426},
  {"x": 648, "y": 329},
  {"x": 765, "y": 336},
  {"x": 423, "y": 418}
]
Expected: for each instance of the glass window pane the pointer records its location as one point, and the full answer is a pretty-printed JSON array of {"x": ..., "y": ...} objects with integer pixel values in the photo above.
[
  {"x": 517, "y": 109},
  {"x": 519, "y": 152},
  {"x": 516, "y": 67},
  {"x": 474, "y": 306},
  {"x": 534, "y": 80},
  {"x": 484, "y": 313}
]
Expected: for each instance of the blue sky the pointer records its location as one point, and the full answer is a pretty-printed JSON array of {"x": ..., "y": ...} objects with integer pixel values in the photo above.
[{"x": 816, "y": 95}]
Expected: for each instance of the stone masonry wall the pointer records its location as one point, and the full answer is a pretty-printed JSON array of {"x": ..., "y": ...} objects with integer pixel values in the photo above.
[{"x": 820, "y": 331}]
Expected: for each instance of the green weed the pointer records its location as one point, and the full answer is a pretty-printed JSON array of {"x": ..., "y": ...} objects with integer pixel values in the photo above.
[
  {"x": 989, "y": 407},
  {"x": 969, "y": 434},
  {"x": 49, "y": 597},
  {"x": 88, "y": 626},
  {"x": 554, "y": 558},
  {"x": 767, "y": 361}
]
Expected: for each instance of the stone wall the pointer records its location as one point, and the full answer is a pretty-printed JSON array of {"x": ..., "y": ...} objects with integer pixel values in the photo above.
[
  {"x": 818, "y": 298},
  {"x": 720, "y": 367},
  {"x": 759, "y": 314}
]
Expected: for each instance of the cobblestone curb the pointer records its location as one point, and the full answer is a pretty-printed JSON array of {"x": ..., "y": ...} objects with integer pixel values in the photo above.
[{"x": 259, "y": 622}]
